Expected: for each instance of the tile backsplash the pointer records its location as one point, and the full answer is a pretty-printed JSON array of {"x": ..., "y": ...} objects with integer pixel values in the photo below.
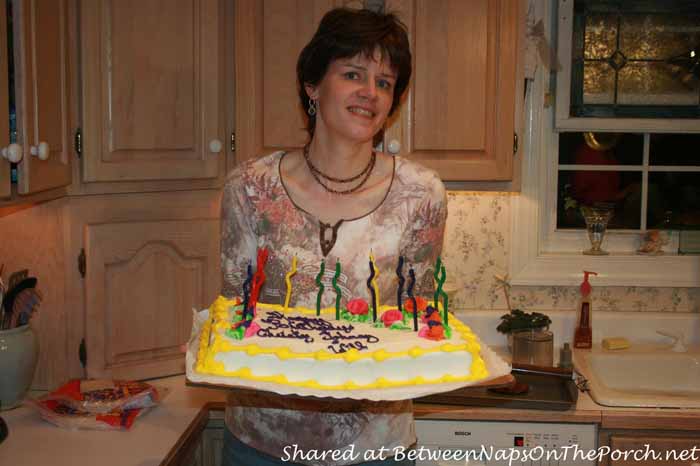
[{"x": 477, "y": 247}]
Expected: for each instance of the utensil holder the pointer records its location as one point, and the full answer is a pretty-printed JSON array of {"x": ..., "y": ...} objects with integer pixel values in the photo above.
[{"x": 19, "y": 351}]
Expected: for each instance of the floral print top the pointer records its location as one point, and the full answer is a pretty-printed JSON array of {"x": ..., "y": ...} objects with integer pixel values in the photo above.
[{"x": 257, "y": 211}]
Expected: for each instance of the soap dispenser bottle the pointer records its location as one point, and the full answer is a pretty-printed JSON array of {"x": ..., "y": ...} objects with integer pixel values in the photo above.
[{"x": 583, "y": 336}]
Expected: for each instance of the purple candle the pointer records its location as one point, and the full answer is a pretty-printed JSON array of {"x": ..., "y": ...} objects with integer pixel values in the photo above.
[
  {"x": 411, "y": 282},
  {"x": 399, "y": 291}
]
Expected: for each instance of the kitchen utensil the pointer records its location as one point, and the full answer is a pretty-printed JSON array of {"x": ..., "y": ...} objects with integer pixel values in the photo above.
[
  {"x": 11, "y": 295},
  {"x": 3, "y": 430},
  {"x": 17, "y": 277},
  {"x": 26, "y": 303}
]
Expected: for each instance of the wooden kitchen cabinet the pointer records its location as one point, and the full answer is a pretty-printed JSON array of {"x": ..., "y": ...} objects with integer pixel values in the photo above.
[
  {"x": 42, "y": 83},
  {"x": 147, "y": 261},
  {"x": 658, "y": 441},
  {"x": 42, "y": 94},
  {"x": 153, "y": 90},
  {"x": 459, "y": 114},
  {"x": 204, "y": 445},
  {"x": 5, "y": 188},
  {"x": 269, "y": 35}
]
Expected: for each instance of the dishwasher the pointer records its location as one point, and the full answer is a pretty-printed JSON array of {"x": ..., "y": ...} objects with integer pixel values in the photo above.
[{"x": 497, "y": 443}]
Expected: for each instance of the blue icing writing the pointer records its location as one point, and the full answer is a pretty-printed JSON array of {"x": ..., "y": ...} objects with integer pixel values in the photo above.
[{"x": 269, "y": 333}]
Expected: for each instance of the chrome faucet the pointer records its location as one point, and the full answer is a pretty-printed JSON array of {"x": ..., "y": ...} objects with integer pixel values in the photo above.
[{"x": 678, "y": 337}]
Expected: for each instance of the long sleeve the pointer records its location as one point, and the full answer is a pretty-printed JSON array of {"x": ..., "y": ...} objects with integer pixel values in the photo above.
[{"x": 238, "y": 237}]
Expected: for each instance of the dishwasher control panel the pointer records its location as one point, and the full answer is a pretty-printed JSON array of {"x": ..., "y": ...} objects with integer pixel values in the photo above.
[{"x": 496, "y": 443}]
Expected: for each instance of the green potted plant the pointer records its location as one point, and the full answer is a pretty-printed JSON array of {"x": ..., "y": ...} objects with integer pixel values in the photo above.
[
  {"x": 517, "y": 320},
  {"x": 529, "y": 328}
]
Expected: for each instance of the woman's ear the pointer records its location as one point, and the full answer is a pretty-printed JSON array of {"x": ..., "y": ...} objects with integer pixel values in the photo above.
[{"x": 311, "y": 91}]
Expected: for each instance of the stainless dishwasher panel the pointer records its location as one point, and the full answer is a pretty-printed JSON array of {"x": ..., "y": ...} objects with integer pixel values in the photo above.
[{"x": 493, "y": 443}]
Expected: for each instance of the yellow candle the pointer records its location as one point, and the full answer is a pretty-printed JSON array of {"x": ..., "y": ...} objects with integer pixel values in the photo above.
[
  {"x": 374, "y": 280},
  {"x": 288, "y": 281}
]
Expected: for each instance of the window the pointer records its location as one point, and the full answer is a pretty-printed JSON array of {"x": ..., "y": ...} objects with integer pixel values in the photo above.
[
  {"x": 653, "y": 181},
  {"x": 647, "y": 181}
]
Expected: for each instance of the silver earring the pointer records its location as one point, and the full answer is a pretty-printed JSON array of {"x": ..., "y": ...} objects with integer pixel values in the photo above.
[{"x": 312, "y": 107}]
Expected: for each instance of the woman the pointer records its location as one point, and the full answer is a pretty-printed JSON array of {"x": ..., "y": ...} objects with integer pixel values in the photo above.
[{"x": 335, "y": 200}]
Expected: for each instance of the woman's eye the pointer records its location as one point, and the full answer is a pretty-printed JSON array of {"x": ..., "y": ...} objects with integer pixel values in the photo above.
[
  {"x": 352, "y": 75},
  {"x": 384, "y": 84}
]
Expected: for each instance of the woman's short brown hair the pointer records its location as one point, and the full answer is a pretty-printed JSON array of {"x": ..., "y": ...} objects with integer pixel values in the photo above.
[{"x": 345, "y": 33}]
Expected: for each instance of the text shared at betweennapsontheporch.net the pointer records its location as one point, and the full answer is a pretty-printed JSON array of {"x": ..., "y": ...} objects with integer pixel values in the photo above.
[{"x": 484, "y": 453}]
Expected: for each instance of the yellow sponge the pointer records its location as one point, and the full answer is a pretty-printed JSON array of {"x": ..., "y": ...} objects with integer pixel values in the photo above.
[{"x": 616, "y": 343}]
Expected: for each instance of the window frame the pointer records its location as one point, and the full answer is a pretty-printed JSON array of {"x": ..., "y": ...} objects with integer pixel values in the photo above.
[{"x": 540, "y": 255}]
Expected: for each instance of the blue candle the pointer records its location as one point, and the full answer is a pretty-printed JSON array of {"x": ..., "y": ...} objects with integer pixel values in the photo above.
[{"x": 246, "y": 290}]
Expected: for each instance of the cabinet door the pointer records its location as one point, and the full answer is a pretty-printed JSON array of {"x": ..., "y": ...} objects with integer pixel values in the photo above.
[
  {"x": 152, "y": 89},
  {"x": 5, "y": 190},
  {"x": 143, "y": 280},
  {"x": 269, "y": 37},
  {"x": 660, "y": 444},
  {"x": 458, "y": 116},
  {"x": 42, "y": 88}
]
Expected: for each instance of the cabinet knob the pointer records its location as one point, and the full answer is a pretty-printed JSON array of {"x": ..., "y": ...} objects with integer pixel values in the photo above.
[
  {"x": 12, "y": 153},
  {"x": 41, "y": 151},
  {"x": 394, "y": 147},
  {"x": 215, "y": 146}
]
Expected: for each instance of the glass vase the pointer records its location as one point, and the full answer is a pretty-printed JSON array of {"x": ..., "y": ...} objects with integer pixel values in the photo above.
[{"x": 596, "y": 225}]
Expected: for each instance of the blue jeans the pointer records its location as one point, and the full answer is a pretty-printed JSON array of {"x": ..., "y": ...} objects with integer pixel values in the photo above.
[{"x": 237, "y": 453}]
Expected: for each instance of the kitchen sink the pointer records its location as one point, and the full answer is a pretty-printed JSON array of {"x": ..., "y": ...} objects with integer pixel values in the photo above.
[{"x": 644, "y": 377}]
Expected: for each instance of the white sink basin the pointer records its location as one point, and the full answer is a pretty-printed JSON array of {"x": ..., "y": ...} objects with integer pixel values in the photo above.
[{"x": 646, "y": 378}]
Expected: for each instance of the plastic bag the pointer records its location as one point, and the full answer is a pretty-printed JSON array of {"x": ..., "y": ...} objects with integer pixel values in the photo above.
[
  {"x": 106, "y": 396},
  {"x": 64, "y": 416}
]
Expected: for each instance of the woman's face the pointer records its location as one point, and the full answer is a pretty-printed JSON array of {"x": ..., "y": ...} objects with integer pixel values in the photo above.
[{"x": 354, "y": 98}]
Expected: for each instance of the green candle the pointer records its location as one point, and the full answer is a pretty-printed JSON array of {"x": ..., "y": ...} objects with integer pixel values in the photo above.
[
  {"x": 320, "y": 288},
  {"x": 337, "y": 290},
  {"x": 444, "y": 296},
  {"x": 438, "y": 285}
]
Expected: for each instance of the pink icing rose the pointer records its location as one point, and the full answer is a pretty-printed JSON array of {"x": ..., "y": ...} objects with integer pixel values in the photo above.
[
  {"x": 423, "y": 332},
  {"x": 357, "y": 306},
  {"x": 252, "y": 330},
  {"x": 391, "y": 316}
]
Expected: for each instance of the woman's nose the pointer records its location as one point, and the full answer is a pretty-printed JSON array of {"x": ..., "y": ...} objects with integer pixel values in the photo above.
[{"x": 369, "y": 89}]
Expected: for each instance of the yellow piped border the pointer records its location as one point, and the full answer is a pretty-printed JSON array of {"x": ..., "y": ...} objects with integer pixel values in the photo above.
[{"x": 219, "y": 310}]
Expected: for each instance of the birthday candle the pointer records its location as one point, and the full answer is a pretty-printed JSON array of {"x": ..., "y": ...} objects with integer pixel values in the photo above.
[
  {"x": 246, "y": 289},
  {"x": 375, "y": 294},
  {"x": 399, "y": 291},
  {"x": 258, "y": 278},
  {"x": 372, "y": 291},
  {"x": 337, "y": 290},
  {"x": 411, "y": 282},
  {"x": 320, "y": 288},
  {"x": 436, "y": 274},
  {"x": 444, "y": 295},
  {"x": 288, "y": 281}
]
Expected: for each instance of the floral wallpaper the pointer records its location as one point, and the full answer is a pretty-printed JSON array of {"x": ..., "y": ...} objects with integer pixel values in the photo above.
[{"x": 477, "y": 244}]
